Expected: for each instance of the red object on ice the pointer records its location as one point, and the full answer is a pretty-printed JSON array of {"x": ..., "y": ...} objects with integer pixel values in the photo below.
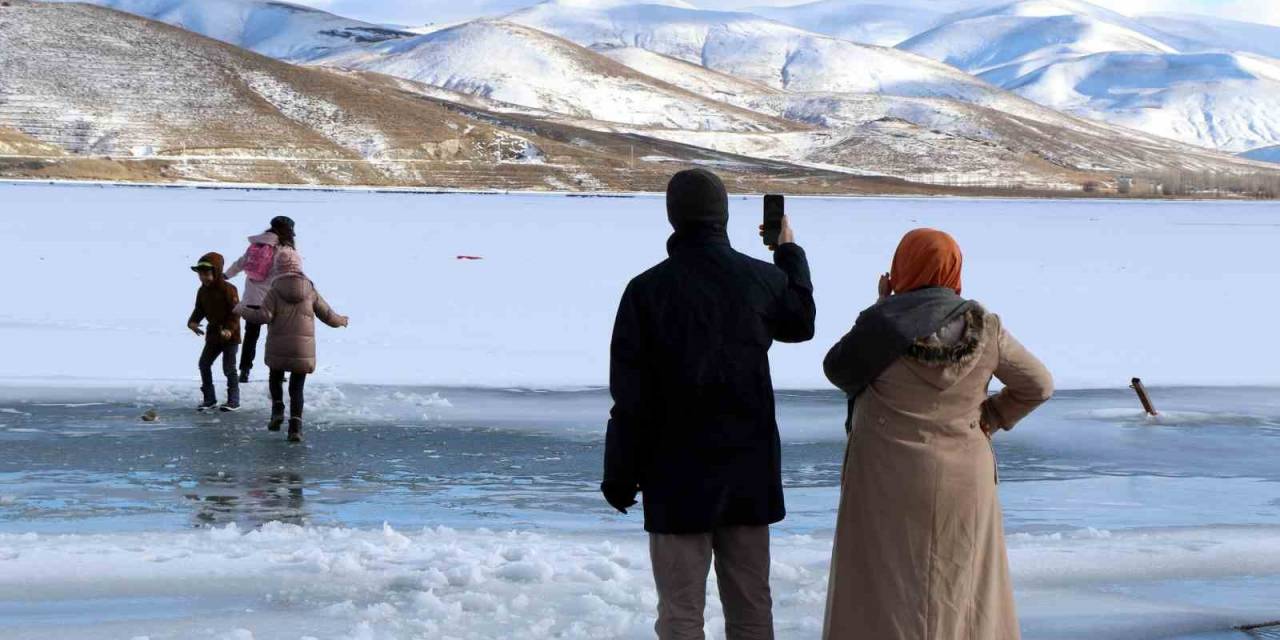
[{"x": 470, "y": 258}]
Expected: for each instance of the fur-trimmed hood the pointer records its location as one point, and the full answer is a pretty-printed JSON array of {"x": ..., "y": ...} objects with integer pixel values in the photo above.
[
  {"x": 945, "y": 358},
  {"x": 887, "y": 333},
  {"x": 957, "y": 343}
]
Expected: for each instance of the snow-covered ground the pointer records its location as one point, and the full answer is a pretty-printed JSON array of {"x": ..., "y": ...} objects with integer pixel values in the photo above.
[
  {"x": 287, "y": 581},
  {"x": 1103, "y": 290}
]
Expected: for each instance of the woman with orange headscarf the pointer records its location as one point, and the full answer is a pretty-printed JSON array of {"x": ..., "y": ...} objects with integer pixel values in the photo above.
[{"x": 919, "y": 546}]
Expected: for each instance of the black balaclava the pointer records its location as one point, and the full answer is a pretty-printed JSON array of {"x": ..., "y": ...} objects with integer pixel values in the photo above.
[{"x": 696, "y": 199}]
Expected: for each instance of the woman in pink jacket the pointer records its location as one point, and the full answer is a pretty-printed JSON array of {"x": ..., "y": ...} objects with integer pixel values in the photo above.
[{"x": 260, "y": 265}]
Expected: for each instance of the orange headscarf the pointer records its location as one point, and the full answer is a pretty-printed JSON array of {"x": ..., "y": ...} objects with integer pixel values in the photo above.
[{"x": 927, "y": 258}]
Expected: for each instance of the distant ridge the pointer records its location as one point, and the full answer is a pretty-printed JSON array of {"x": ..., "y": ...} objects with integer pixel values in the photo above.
[{"x": 602, "y": 95}]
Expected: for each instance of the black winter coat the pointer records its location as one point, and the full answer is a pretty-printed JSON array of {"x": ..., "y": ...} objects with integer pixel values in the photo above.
[{"x": 693, "y": 421}]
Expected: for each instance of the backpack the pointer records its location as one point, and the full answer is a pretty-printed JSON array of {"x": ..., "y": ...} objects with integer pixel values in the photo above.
[{"x": 258, "y": 260}]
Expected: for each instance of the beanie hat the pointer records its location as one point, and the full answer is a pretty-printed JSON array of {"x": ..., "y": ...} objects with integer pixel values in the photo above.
[
  {"x": 288, "y": 261},
  {"x": 282, "y": 222},
  {"x": 697, "y": 197}
]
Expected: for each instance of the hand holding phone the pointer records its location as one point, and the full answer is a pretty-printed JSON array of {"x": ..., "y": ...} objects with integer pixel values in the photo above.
[
  {"x": 774, "y": 214},
  {"x": 776, "y": 230}
]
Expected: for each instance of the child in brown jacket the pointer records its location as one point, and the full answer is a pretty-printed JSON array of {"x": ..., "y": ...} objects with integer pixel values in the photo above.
[
  {"x": 216, "y": 302},
  {"x": 290, "y": 311}
]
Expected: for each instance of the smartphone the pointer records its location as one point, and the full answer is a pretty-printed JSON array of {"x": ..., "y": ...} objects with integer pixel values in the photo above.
[{"x": 774, "y": 209}]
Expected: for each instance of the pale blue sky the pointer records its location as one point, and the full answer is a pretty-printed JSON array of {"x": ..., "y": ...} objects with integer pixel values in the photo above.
[{"x": 426, "y": 11}]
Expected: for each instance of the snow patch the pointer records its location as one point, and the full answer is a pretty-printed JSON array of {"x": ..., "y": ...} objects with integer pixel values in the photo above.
[
  {"x": 335, "y": 582},
  {"x": 323, "y": 116}
]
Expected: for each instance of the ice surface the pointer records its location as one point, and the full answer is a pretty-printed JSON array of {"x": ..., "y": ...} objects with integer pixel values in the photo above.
[
  {"x": 210, "y": 527},
  {"x": 1102, "y": 290}
]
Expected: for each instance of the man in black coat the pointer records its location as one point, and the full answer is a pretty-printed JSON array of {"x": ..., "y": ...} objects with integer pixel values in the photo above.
[{"x": 693, "y": 424}]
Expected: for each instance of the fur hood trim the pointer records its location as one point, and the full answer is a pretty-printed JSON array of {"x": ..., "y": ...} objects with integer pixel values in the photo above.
[{"x": 930, "y": 352}]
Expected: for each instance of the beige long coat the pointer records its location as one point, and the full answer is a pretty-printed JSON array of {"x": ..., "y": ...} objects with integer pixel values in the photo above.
[
  {"x": 290, "y": 310},
  {"x": 919, "y": 546}
]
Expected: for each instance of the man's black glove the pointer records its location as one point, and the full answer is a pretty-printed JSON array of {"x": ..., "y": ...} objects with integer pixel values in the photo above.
[{"x": 620, "y": 495}]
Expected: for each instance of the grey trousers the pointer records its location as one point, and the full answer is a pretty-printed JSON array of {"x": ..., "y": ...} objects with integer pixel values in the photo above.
[{"x": 680, "y": 567}]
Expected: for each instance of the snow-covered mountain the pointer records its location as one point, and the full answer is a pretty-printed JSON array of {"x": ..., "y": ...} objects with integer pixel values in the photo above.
[
  {"x": 1081, "y": 59},
  {"x": 1198, "y": 34},
  {"x": 753, "y": 48},
  {"x": 1219, "y": 100},
  {"x": 1003, "y": 43},
  {"x": 884, "y": 111},
  {"x": 925, "y": 139},
  {"x": 270, "y": 27},
  {"x": 93, "y": 81},
  {"x": 570, "y": 84},
  {"x": 816, "y": 72},
  {"x": 714, "y": 85},
  {"x": 544, "y": 72},
  {"x": 92, "y": 93},
  {"x": 875, "y": 22}
]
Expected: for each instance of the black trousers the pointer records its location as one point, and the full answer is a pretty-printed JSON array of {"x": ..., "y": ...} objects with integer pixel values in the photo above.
[
  {"x": 250, "y": 350},
  {"x": 297, "y": 381},
  {"x": 228, "y": 354}
]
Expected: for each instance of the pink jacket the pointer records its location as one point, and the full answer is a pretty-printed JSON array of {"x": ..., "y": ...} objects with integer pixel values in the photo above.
[{"x": 254, "y": 291}]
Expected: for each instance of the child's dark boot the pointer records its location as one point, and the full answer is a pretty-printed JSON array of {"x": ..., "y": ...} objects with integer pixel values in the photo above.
[
  {"x": 295, "y": 429},
  {"x": 277, "y": 416}
]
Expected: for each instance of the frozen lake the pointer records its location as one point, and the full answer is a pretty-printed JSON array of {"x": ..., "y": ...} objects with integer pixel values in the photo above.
[
  {"x": 1102, "y": 290},
  {"x": 203, "y": 526},
  {"x": 447, "y": 487}
]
